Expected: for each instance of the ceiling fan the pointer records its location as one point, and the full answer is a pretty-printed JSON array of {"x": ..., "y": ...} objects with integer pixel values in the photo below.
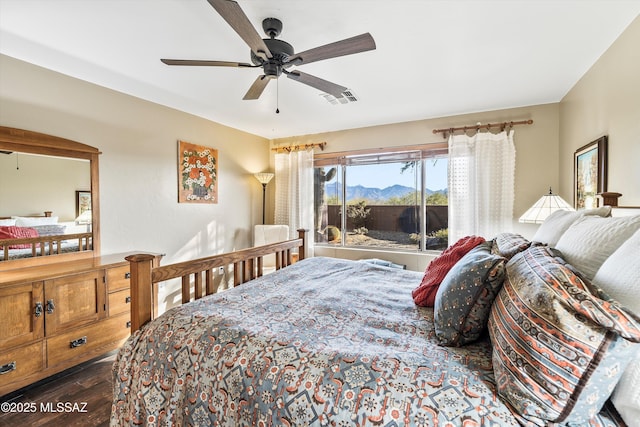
[{"x": 277, "y": 56}]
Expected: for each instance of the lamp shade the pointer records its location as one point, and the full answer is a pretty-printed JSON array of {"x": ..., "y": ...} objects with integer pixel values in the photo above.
[
  {"x": 263, "y": 177},
  {"x": 84, "y": 217},
  {"x": 545, "y": 206}
]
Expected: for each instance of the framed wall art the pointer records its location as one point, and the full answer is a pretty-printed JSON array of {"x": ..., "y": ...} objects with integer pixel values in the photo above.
[
  {"x": 83, "y": 203},
  {"x": 197, "y": 173},
  {"x": 590, "y": 177}
]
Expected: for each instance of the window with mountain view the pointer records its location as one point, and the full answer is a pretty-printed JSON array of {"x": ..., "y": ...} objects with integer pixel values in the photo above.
[{"x": 395, "y": 200}]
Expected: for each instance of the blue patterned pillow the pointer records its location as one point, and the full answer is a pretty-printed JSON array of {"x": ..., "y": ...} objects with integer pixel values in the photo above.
[
  {"x": 464, "y": 299},
  {"x": 558, "y": 346}
]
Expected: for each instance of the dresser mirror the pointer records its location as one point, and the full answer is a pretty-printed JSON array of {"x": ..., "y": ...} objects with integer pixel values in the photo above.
[{"x": 52, "y": 183}]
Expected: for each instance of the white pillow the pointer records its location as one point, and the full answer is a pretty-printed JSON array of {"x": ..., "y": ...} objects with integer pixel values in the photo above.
[
  {"x": 619, "y": 277},
  {"x": 590, "y": 240},
  {"x": 557, "y": 223},
  {"x": 26, "y": 221},
  {"x": 626, "y": 395},
  {"x": 5, "y": 222}
]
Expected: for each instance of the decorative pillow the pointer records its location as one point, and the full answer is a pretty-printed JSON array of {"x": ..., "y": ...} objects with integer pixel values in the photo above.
[
  {"x": 509, "y": 244},
  {"x": 464, "y": 299},
  {"x": 590, "y": 240},
  {"x": 559, "y": 345},
  {"x": 557, "y": 223},
  {"x": 425, "y": 293},
  {"x": 13, "y": 232},
  {"x": 49, "y": 230},
  {"x": 9, "y": 221},
  {"x": 619, "y": 277},
  {"x": 27, "y": 221},
  {"x": 626, "y": 396}
]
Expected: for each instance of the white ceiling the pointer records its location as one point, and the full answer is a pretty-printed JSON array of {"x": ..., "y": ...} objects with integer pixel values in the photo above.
[{"x": 433, "y": 58}]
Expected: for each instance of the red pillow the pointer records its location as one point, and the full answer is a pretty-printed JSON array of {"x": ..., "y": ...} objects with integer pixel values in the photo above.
[
  {"x": 425, "y": 293},
  {"x": 13, "y": 232}
]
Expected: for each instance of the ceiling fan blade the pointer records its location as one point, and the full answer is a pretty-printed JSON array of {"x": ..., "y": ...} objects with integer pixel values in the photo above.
[
  {"x": 361, "y": 43},
  {"x": 257, "y": 88},
  {"x": 204, "y": 63},
  {"x": 318, "y": 83},
  {"x": 236, "y": 18}
]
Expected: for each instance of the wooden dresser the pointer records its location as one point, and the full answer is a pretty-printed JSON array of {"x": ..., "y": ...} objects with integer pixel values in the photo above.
[{"x": 55, "y": 316}]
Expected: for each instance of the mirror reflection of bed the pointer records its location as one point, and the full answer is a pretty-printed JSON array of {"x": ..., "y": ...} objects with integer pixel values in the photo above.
[{"x": 46, "y": 193}]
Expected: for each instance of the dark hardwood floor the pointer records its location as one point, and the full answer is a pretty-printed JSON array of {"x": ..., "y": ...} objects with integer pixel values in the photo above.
[{"x": 80, "y": 396}]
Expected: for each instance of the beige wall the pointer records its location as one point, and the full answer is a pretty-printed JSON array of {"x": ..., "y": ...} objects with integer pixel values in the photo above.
[
  {"x": 138, "y": 165},
  {"x": 35, "y": 184},
  {"x": 536, "y": 157},
  {"x": 606, "y": 101}
]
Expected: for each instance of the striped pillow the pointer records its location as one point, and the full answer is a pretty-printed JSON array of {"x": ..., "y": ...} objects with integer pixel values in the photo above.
[{"x": 559, "y": 344}]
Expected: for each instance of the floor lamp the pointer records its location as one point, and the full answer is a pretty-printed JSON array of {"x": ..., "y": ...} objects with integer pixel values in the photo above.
[{"x": 264, "y": 179}]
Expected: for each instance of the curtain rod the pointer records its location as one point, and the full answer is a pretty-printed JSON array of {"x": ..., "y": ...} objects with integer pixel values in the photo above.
[
  {"x": 290, "y": 148},
  {"x": 479, "y": 126}
]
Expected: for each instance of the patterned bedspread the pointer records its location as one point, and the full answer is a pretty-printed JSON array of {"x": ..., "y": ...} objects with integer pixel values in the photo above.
[{"x": 324, "y": 342}]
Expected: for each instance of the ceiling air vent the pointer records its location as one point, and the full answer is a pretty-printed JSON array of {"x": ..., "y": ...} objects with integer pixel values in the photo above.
[{"x": 347, "y": 97}]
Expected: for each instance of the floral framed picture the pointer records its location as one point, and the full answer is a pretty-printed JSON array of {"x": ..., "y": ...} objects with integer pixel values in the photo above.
[
  {"x": 83, "y": 207},
  {"x": 590, "y": 166},
  {"x": 197, "y": 173}
]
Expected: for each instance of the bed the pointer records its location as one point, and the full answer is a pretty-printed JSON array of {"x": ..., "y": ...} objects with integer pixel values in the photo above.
[{"x": 338, "y": 343}]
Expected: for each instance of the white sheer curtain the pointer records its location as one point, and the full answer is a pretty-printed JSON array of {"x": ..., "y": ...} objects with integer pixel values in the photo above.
[
  {"x": 481, "y": 184},
  {"x": 294, "y": 193}
]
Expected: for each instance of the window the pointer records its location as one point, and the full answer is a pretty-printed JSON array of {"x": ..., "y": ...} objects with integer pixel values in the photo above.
[{"x": 383, "y": 200}]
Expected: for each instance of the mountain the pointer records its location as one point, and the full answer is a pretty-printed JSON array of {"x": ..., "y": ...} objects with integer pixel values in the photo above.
[{"x": 359, "y": 192}]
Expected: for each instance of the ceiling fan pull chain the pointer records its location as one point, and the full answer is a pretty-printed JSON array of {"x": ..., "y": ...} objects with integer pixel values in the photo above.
[{"x": 277, "y": 96}]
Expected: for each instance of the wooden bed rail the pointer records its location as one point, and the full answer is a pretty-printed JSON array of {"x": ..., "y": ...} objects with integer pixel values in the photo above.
[
  {"x": 247, "y": 265},
  {"x": 48, "y": 245}
]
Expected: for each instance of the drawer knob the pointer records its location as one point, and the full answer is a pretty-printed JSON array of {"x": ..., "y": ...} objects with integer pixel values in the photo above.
[
  {"x": 127, "y": 275},
  {"x": 5, "y": 369},
  {"x": 128, "y": 324},
  {"x": 78, "y": 342},
  {"x": 127, "y": 299}
]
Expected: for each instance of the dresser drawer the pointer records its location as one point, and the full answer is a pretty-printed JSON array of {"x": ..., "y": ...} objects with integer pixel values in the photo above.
[
  {"x": 119, "y": 302},
  {"x": 118, "y": 278},
  {"x": 21, "y": 362},
  {"x": 103, "y": 335}
]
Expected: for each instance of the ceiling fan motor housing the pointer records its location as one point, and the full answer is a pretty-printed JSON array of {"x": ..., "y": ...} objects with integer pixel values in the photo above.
[{"x": 280, "y": 51}]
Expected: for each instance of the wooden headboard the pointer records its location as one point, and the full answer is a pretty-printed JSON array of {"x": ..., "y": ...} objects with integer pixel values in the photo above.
[{"x": 47, "y": 214}]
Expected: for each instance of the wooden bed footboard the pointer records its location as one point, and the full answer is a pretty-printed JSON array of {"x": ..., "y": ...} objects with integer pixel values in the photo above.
[
  {"x": 47, "y": 245},
  {"x": 247, "y": 265}
]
